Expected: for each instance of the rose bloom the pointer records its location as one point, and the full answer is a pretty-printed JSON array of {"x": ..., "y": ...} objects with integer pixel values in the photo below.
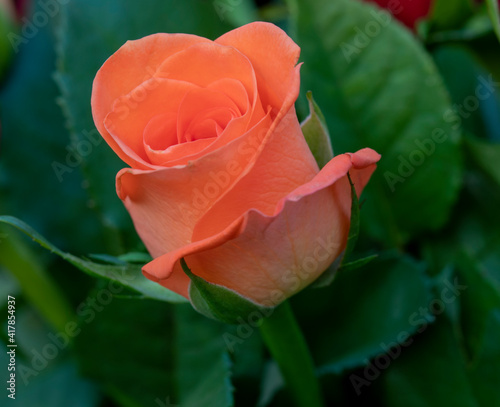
[{"x": 221, "y": 174}]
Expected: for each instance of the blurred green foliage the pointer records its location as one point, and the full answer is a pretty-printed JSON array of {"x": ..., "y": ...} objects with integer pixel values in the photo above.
[{"x": 418, "y": 326}]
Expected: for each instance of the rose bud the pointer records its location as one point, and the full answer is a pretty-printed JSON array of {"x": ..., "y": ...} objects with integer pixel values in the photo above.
[{"x": 221, "y": 176}]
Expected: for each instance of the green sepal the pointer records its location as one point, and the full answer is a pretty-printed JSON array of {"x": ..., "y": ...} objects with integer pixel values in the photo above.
[
  {"x": 221, "y": 303},
  {"x": 354, "y": 224},
  {"x": 316, "y": 133}
]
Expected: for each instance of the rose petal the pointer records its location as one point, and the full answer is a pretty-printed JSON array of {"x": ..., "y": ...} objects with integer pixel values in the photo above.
[
  {"x": 273, "y": 55},
  {"x": 161, "y": 132},
  {"x": 134, "y": 63},
  {"x": 166, "y": 203},
  {"x": 259, "y": 255},
  {"x": 184, "y": 150},
  {"x": 131, "y": 114},
  {"x": 282, "y": 162},
  {"x": 208, "y": 63},
  {"x": 199, "y": 104},
  {"x": 235, "y": 90}
]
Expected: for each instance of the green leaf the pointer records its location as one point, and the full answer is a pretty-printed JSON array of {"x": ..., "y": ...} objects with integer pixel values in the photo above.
[
  {"x": 128, "y": 275},
  {"x": 476, "y": 27},
  {"x": 380, "y": 89},
  {"x": 36, "y": 284},
  {"x": 34, "y": 138},
  {"x": 486, "y": 155},
  {"x": 353, "y": 265},
  {"x": 97, "y": 30},
  {"x": 220, "y": 303},
  {"x": 236, "y": 12},
  {"x": 471, "y": 244},
  {"x": 449, "y": 14},
  {"x": 272, "y": 382},
  {"x": 472, "y": 88},
  {"x": 494, "y": 15},
  {"x": 483, "y": 373},
  {"x": 384, "y": 298},
  {"x": 429, "y": 373},
  {"x": 316, "y": 133},
  {"x": 203, "y": 365},
  {"x": 128, "y": 347},
  {"x": 6, "y": 30},
  {"x": 480, "y": 299},
  {"x": 45, "y": 375},
  {"x": 61, "y": 386},
  {"x": 155, "y": 354},
  {"x": 8, "y": 285},
  {"x": 135, "y": 257}
]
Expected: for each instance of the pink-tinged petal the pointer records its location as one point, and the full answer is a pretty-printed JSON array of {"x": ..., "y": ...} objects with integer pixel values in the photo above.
[
  {"x": 273, "y": 55},
  {"x": 264, "y": 257},
  {"x": 134, "y": 63}
]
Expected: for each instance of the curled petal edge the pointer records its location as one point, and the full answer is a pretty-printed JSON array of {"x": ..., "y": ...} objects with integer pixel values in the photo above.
[{"x": 164, "y": 267}]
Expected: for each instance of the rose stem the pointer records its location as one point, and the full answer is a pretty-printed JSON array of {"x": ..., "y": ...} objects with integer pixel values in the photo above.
[{"x": 287, "y": 345}]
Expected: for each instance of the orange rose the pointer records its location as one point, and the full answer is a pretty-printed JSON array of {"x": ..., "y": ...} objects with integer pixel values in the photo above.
[{"x": 221, "y": 174}]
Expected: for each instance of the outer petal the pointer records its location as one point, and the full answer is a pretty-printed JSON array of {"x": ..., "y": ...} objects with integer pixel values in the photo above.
[
  {"x": 269, "y": 258},
  {"x": 273, "y": 55},
  {"x": 134, "y": 63}
]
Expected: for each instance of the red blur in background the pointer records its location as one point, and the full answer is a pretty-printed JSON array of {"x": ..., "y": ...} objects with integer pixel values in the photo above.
[{"x": 406, "y": 11}]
